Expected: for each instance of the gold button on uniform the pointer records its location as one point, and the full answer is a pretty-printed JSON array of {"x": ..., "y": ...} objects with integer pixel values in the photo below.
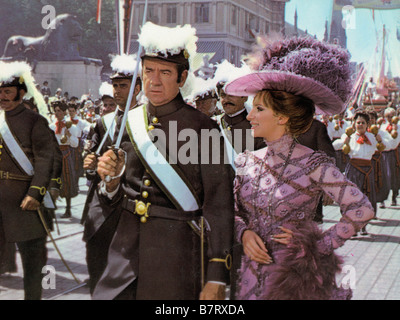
[
  {"x": 145, "y": 194},
  {"x": 155, "y": 120},
  {"x": 147, "y": 182},
  {"x": 151, "y": 128}
]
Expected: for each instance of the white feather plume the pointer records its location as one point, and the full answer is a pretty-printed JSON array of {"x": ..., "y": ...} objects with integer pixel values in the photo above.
[{"x": 15, "y": 69}]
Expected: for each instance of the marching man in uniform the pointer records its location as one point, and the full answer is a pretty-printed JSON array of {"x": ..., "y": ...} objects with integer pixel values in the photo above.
[
  {"x": 95, "y": 217},
  {"x": 165, "y": 203},
  {"x": 26, "y": 166}
]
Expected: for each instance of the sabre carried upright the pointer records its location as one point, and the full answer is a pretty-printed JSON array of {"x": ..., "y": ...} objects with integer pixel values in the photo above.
[
  {"x": 99, "y": 220},
  {"x": 160, "y": 197}
]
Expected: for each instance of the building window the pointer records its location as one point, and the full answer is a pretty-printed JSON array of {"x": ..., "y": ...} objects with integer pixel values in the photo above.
[
  {"x": 152, "y": 13},
  {"x": 202, "y": 12},
  {"x": 171, "y": 13},
  {"x": 234, "y": 16}
]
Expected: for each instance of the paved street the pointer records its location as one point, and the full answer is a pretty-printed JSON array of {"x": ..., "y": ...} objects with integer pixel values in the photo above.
[{"x": 373, "y": 260}]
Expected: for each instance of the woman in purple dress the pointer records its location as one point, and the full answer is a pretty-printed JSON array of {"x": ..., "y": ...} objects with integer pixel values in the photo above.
[{"x": 277, "y": 188}]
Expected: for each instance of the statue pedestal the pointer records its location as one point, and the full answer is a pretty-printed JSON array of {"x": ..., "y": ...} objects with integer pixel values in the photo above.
[{"x": 73, "y": 77}]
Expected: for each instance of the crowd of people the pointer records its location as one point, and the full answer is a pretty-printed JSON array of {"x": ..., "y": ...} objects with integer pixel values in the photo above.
[{"x": 157, "y": 226}]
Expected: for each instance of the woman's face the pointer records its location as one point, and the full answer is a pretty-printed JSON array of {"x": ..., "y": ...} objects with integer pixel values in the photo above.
[
  {"x": 361, "y": 125},
  {"x": 265, "y": 123}
]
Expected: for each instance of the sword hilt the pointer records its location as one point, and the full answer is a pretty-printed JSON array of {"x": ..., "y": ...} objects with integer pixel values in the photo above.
[{"x": 115, "y": 150}]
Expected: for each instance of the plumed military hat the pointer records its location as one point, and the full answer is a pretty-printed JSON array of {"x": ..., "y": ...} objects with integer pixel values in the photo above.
[
  {"x": 177, "y": 45},
  {"x": 19, "y": 74}
]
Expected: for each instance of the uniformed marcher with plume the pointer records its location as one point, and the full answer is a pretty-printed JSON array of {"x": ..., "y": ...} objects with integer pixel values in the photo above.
[
  {"x": 155, "y": 252},
  {"x": 277, "y": 188},
  {"x": 99, "y": 220},
  {"x": 26, "y": 166}
]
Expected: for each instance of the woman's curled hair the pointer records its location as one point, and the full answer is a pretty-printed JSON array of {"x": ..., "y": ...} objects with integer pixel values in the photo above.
[{"x": 298, "y": 109}]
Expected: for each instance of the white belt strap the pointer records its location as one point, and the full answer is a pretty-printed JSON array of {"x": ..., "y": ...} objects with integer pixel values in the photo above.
[
  {"x": 232, "y": 154},
  {"x": 109, "y": 123},
  {"x": 19, "y": 155},
  {"x": 171, "y": 182}
]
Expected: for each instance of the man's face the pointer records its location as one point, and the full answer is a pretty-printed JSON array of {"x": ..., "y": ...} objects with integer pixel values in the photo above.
[
  {"x": 160, "y": 81},
  {"x": 121, "y": 89},
  {"x": 207, "y": 106},
  {"x": 109, "y": 105},
  {"x": 231, "y": 104},
  {"x": 8, "y": 98},
  {"x": 72, "y": 112}
]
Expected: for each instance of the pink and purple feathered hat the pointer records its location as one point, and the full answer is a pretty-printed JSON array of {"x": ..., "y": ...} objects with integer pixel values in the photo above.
[{"x": 302, "y": 66}]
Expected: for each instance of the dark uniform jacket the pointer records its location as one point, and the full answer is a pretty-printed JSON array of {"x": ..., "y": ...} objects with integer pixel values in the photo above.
[
  {"x": 96, "y": 136},
  {"x": 317, "y": 138},
  {"x": 163, "y": 254},
  {"x": 32, "y": 132},
  {"x": 240, "y": 123},
  {"x": 99, "y": 220}
]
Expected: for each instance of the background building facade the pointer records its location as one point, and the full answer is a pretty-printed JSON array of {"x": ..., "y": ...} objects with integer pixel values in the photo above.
[{"x": 226, "y": 28}]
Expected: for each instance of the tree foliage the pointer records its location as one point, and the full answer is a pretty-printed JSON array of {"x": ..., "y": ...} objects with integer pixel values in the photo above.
[{"x": 24, "y": 17}]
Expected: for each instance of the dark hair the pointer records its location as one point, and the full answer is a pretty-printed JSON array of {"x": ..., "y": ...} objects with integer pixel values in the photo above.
[
  {"x": 73, "y": 105},
  {"x": 361, "y": 114},
  {"x": 298, "y": 109},
  {"x": 30, "y": 104},
  {"x": 180, "y": 68},
  {"x": 58, "y": 103},
  {"x": 372, "y": 114}
]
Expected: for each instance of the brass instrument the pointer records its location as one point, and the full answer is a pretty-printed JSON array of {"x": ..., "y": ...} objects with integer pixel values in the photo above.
[
  {"x": 346, "y": 148},
  {"x": 374, "y": 130},
  {"x": 64, "y": 138}
]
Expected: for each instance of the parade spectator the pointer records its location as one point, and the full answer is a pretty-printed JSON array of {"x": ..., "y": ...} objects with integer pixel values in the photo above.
[{"x": 45, "y": 90}]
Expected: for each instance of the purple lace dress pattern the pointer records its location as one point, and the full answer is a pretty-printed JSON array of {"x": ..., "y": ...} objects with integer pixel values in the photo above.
[{"x": 280, "y": 185}]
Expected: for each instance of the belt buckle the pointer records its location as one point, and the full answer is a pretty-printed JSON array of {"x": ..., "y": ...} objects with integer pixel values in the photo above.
[
  {"x": 141, "y": 209},
  {"x": 4, "y": 175}
]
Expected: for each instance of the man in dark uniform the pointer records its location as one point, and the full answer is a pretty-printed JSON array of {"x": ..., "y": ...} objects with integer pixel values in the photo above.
[
  {"x": 98, "y": 221},
  {"x": 26, "y": 166},
  {"x": 317, "y": 138},
  {"x": 235, "y": 121},
  {"x": 155, "y": 252}
]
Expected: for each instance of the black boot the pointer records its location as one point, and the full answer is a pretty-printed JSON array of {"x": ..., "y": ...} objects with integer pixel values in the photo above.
[
  {"x": 67, "y": 214},
  {"x": 364, "y": 232}
]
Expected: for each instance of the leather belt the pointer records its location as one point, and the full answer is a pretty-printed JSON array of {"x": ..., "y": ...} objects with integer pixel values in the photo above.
[
  {"x": 5, "y": 175},
  {"x": 146, "y": 210}
]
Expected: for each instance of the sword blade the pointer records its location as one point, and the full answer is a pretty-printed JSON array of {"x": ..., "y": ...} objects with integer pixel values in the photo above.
[
  {"x": 132, "y": 88},
  {"x": 55, "y": 246},
  {"x": 106, "y": 134}
]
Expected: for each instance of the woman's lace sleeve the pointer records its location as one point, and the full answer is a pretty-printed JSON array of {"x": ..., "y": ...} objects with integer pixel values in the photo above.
[{"x": 355, "y": 207}]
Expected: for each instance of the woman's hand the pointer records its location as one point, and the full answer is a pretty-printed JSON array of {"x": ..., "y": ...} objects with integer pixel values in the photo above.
[
  {"x": 283, "y": 238},
  {"x": 254, "y": 248}
]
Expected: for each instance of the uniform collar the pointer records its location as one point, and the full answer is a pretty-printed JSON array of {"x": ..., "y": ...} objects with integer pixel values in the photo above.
[
  {"x": 20, "y": 108},
  {"x": 238, "y": 117},
  {"x": 167, "y": 108}
]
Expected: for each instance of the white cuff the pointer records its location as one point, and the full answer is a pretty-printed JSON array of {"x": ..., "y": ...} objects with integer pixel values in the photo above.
[
  {"x": 218, "y": 282},
  {"x": 104, "y": 192}
]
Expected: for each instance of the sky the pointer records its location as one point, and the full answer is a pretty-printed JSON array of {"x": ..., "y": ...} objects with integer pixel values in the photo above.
[{"x": 363, "y": 36}]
